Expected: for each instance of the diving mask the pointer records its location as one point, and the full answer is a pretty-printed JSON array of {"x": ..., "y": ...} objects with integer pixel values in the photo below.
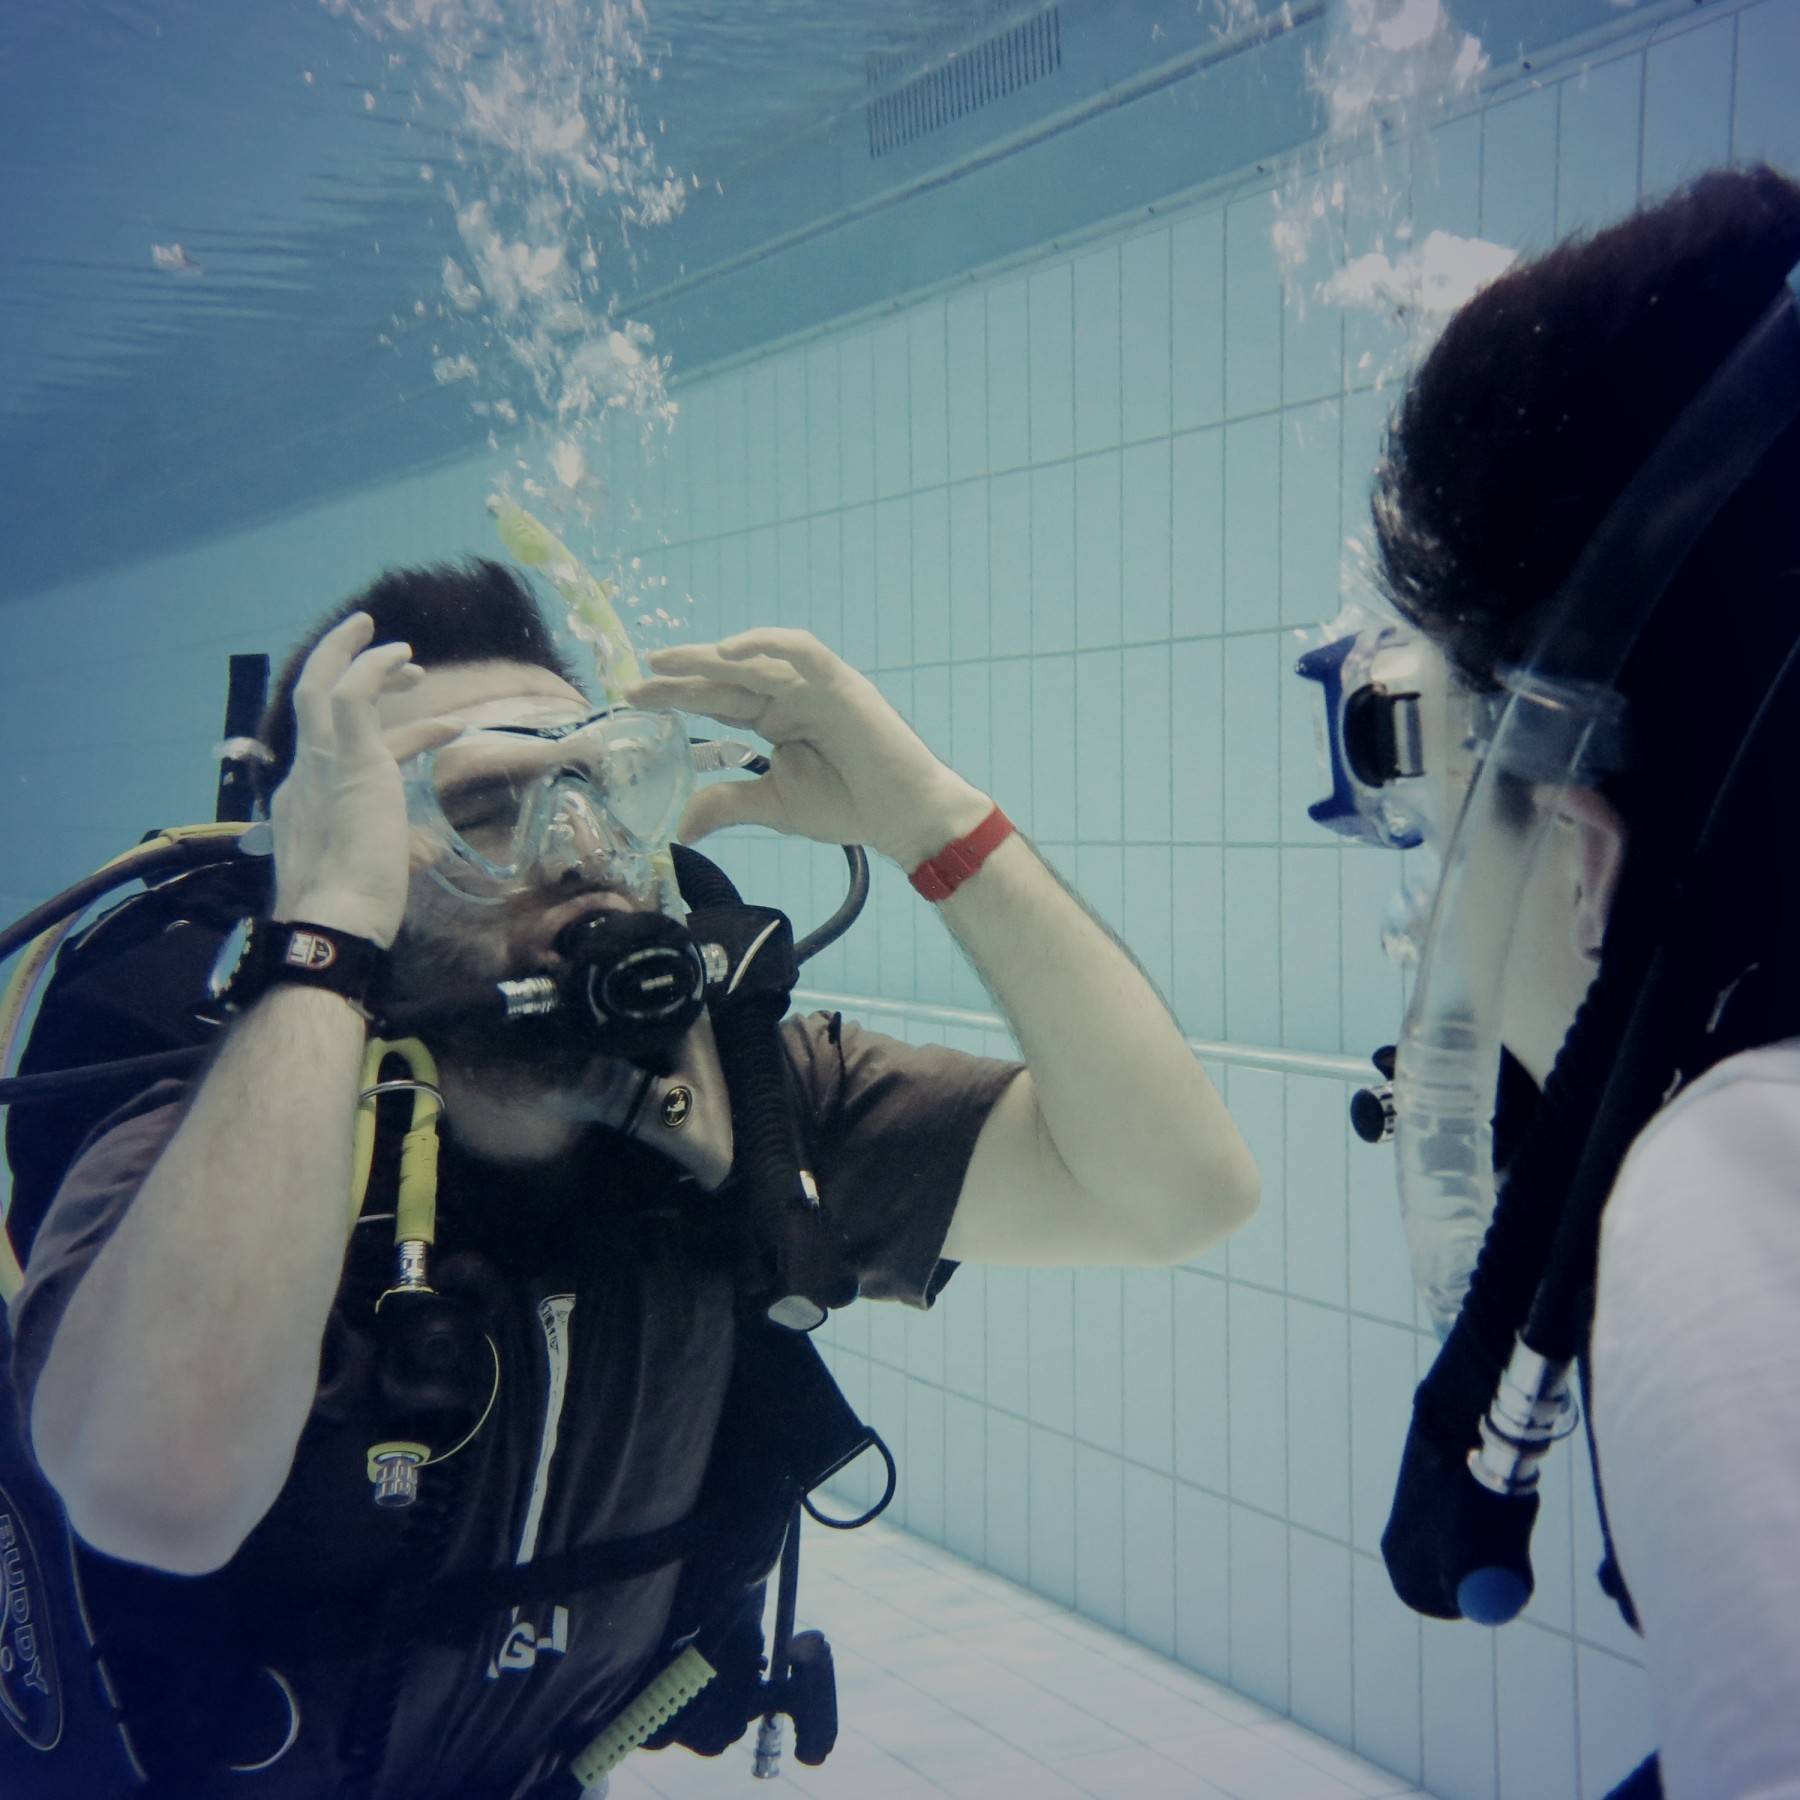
[{"x": 580, "y": 803}]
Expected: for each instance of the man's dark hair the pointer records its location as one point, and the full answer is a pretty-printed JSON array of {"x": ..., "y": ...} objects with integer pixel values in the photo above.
[
  {"x": 468, "y": 612},
  {"x": 1544, "y": 396}
]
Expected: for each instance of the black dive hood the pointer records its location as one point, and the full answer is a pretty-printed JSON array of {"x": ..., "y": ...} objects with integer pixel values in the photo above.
[{"x": 1677, "y": 962}]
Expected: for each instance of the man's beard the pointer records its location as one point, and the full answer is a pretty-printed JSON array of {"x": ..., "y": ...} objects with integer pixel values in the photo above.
[{"x": 527, "y": 1060}]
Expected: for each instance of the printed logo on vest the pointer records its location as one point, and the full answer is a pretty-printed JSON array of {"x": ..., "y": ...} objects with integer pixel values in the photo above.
[
  {"x": 526, "y": 1642},
  {"x": 677, "y": 1104},
  {"x": 30, "y": 1693}
]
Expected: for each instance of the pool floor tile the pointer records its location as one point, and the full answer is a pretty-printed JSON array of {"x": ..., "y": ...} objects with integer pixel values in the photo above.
[{"x": 954, "y": 1682}]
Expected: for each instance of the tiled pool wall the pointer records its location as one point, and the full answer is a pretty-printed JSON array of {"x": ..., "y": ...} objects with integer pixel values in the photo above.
[{"x": 1069, "y": 514}]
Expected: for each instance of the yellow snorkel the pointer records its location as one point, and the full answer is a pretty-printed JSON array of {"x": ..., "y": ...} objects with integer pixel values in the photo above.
[
  {"x": 592, "y": 615},
  {"x": 595, "y": 620}
]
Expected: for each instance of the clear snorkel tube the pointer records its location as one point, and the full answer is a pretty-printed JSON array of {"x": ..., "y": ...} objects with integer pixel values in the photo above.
[{"x": 1551, "y": 731}]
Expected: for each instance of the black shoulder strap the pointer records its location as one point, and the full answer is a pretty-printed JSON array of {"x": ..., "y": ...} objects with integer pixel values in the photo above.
[
  {"x": 128, "y": 985},
  {"x": 1610, "y": 1576}
]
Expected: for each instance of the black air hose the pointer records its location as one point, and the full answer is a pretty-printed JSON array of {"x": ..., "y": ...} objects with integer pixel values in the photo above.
[
  {"x": 747, "y": 1030},
  {"x": 856, "y": 897},
  {"x": 1538, "y": 1186},
  {"x": 796, "y": 1273},
  {"x": 155, "y": 858}
]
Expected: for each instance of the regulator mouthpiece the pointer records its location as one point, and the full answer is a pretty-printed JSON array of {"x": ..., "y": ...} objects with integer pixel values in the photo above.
[{"x": 637, "y": 980}]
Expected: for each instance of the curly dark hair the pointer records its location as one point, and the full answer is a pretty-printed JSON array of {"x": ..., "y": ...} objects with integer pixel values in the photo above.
[
  {"x": 1546, "y": 393},
  {"x": 468, "y": 612}
]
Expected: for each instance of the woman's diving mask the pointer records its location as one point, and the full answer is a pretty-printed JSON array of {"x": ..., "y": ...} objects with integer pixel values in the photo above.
[
  {"x": 1417, "y": 758},
  {"x": 1398, "y": 734},
  {"x": 584, "y": 803}
]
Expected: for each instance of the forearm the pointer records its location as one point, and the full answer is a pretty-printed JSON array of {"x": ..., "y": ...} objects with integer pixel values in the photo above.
[
  {"x": 186, "y": 1362},
  {"x": 1118, "y": 1094},
  {"x": 1114, "y": 1147}
]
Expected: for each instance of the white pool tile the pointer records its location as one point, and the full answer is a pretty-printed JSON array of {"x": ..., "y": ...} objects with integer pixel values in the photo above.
[
  {"x": 1385, "y": 1653},
  {"x": 1536, "y": 1712},
  {"x": 1052, "y": 344},
  {"x": 1687, "y": 105},
  {"x": 1197, "y": 296},
  {"x": 1252, "y": 308},
  {"x": 1319, "y": 1626},
  {"x": 1518, "y": 171},
  {"x": 1253, "y": 524},
  {"x": 966, "y": 354},
  {"x": 1098, "y": 374},
  {"x": 1260, "y": 1662},
  {"x": 927, "y": 380},
  {"x": 1614, "y": 1726},
  {"x": 1143, "y": 1774},
  {"x": 1458, "y": 1703},
  {"x": 1197, "y": 533},
  {"x": 1149, "y": 1559},
  {"x": 1599, "y": 121},
  {"x": 1144, "y": 318},
  {"x": 1765, "y": 123},
  {"x": 1254, "y": 1765},
  {"x": 1353, "y": 1771}
]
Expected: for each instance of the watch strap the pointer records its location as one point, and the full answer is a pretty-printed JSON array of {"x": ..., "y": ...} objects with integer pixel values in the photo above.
[
  {"x": 939, "y": 876},
  {"x": 306, "y": 954}
]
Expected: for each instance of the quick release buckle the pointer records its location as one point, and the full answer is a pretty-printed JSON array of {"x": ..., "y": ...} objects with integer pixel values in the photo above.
[{"x": 1384, "y": 739}]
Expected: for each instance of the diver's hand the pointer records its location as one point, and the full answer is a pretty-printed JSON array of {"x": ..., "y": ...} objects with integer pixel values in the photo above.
[
  {"x": 340, "y": 816},
  {"x": 844, "y": 767}
]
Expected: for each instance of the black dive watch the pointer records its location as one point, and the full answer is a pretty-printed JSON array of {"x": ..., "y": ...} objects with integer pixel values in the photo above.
[{"x": 259, "y": 953}]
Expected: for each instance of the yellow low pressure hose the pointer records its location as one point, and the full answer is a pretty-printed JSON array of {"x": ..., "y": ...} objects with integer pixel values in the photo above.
[{"x": 415, "y": 1206}]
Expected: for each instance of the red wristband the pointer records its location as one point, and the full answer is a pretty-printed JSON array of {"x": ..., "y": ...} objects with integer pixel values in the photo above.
[{"x": 938, "y": 877}]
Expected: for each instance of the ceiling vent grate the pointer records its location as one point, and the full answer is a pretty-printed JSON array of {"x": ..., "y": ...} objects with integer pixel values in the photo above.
[{"x": 963, "y": 83}]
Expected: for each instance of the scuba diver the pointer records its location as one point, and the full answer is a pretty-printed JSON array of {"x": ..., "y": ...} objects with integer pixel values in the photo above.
[
  {"x": 471, "y": 1488},
  {"x": 1586, "y": 514}
]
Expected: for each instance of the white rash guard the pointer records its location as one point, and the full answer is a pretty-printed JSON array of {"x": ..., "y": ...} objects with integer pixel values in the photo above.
[{"x": 1696, "y": 1398}]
